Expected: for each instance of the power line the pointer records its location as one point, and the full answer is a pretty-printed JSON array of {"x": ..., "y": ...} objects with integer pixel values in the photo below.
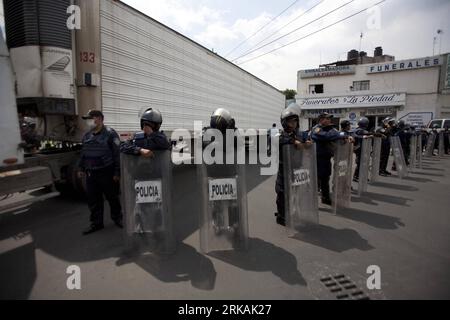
[
  {"x": 312, "y": 33},
  {"x": 305, "y": 25},
  {"x": 261, "y": 28},
  {"x": 295, "y": 19}
]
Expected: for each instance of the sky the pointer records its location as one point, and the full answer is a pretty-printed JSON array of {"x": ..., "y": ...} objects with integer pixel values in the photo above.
[{"x": 404, "y": 28}]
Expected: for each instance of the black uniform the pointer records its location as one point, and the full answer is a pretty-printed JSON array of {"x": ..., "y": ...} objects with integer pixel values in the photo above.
[
  {"x": 446, "y": 141},
  {"x": 385, "y": 148},
  {"x": 425, "y": 135},
  {"x": 404, "y": 135},
  {"x": 285, "y": 139},
  {"x": 155, "y": 141},
  {"x": 100, "y": 160},
  {"x": 359, "y": 136},
  {"x": 324, "y": 138}
]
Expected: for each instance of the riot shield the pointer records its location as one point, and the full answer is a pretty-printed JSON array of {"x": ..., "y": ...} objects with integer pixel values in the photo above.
[
  {"x": 342, "y": 175},
  {"x": 441, "y": 144},
  {"x": 375, "y": 160},
  {"x": 223, "y": 220},
  {"x": 366, "y": 147},
  {"x": 300, "y": 186},
  {"x": 430, "y": 144},
  {"x": 147, "y": 203},
  {"x": 419, "y": 150},
  {"x": 413, "y": 152},
  {"x": 399, "y": 157}
]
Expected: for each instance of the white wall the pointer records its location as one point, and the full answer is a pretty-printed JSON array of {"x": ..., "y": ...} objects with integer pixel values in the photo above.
[
  {"x": 444, "y": 104},
  {"x": 147, "y": 64},
  {"x": 411, "y": 81}
]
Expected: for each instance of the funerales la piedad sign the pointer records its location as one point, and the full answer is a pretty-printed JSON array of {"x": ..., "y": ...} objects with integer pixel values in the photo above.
[
  {"x": 405, "y": 65},
  {"x": 353, "y": 101}
]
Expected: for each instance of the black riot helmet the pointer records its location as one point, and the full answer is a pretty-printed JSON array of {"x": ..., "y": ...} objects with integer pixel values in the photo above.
[
  {"x": 401, "y": 124},
  {"x": 388, "y": 121},
  {"x": 363, "y": 123},
  {"x": 287, "y": 114},
  {"x": 221, "y": 120},
  {"x": 153, "y": 118}
]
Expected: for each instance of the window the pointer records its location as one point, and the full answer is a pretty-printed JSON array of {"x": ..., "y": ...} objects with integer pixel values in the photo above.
[
  {"x": 447, "y": 124},
  {"x": 361, "y": 85},
  {"x": 432, "y": 123},
  {"x": 315, "y": 88}
]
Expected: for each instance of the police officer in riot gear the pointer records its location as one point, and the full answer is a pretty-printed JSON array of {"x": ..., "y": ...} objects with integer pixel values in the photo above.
[
  {"x": 360, "y": 133},
  {"x": 150, "y": 139},
  {"x": 324, "y": 134},
  {"x": 446, "y": 140},
  {"x": 289, "y": 135},
  {"x": 100, "y": 163},
  {"x": 221, "y": 120},
  {"x": 346, "y": 127},
  {"x": 405, "y": 139},
  {"x": 425, "y": 134},
  {"x": 385, "y": 132},
  {"x": 435, "y": 131}
]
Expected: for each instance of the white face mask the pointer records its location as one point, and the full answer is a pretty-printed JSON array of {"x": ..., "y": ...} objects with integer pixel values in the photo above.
[{"x": 91, "y": 123}]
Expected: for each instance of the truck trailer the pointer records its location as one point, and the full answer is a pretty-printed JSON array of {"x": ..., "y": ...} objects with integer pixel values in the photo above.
[{"x": 69, "y": 57}]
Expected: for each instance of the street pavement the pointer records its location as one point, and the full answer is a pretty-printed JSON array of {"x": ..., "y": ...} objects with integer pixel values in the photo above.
[{"x": 401, "y": 226}]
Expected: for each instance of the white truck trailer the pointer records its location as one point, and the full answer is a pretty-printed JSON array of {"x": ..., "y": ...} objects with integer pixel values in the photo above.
[{"x": 118, "y": 61}]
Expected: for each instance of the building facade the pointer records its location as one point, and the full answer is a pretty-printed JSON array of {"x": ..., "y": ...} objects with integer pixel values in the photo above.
[{"x": 415, "y": 90}]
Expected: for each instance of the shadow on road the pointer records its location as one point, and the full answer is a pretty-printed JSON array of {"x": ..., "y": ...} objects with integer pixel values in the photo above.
[
  {"x": 421, "y": 180},
  {"x": 338, "y": 240},
  {"x": 394, "y": 186},
  {"x": 432, "y": 169},
  {"x": 428, "y": 174},
  {"x": 370, "y": 197},
  {"x": 373, "y": 219},
  {"x": 185, "y": 265},
  {"x": 263, "y": 256}
]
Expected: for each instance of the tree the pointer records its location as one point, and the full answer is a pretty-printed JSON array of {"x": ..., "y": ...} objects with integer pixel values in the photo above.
[{"x": 289, "y": 93}]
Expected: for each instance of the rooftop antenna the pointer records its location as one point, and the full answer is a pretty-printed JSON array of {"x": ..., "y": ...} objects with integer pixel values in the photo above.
[
  {"x": 360, "y": 41},
  {"x": 434, "y": 43},
  {"x": 440, "y": 33}
]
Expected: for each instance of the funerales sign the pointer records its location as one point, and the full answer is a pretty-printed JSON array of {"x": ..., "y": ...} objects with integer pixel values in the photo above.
[
  {"x": 327, "y": 72},
  {"x": 405, "y": 65},
  {"x": 373, "y": 100}
]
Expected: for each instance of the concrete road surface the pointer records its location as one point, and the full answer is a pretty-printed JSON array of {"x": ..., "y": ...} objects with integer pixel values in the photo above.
[{"x": 400, "y": 226}]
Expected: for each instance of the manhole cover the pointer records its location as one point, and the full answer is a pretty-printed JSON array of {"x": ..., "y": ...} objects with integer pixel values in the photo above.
[{"x": 343, "y": 288}]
